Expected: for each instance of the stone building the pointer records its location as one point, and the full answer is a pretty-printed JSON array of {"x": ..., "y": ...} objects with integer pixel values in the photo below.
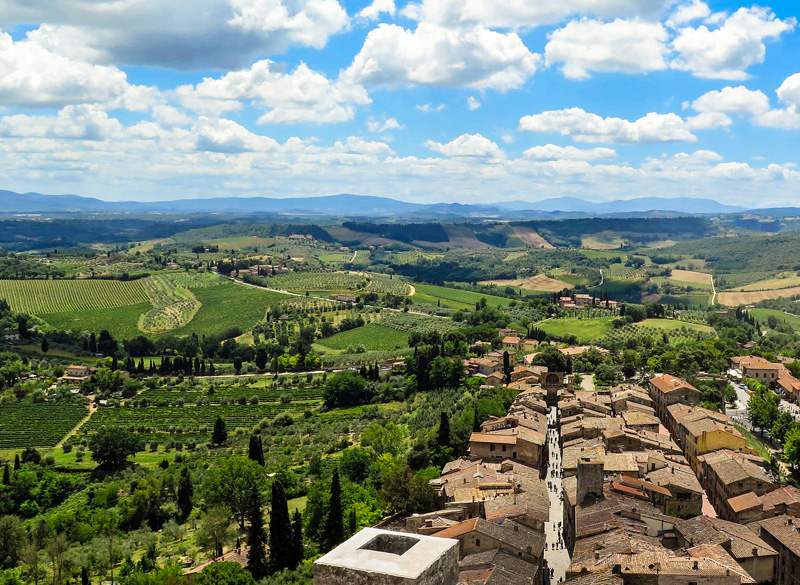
[{"x": 381, "y": 557}]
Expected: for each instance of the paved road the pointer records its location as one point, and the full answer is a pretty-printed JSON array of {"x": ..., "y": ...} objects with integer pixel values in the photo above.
[{"x": 556, "y": 555}]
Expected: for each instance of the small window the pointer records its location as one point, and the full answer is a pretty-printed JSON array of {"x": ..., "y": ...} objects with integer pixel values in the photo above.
[
  {"x": 491, "y": 447},
  {"x": 477, "y": 542},
  {"x": 504, "y": 448}
]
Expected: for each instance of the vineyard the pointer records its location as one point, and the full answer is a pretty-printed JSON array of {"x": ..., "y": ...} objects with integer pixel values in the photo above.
[
  {"x": 679, "y": 333},
  {"x": 154, "y": 423},
  {"x": 173, "y": 305},
  {"x": 413, "y": 322},
  {"x": 41, "y": 424},
  {"x": 372, "y": 337},
  {"x": 331, "y": 281},
  {"x": 228, "y": 394},
  {"x": 59, "y": 296}
]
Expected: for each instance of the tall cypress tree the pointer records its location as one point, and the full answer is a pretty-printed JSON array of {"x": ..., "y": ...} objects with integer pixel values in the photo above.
[
  {"x": 185, "y": 493},
  {"x": 333, "y": 526},
  {"x": 6, "y": 475},
  {"x": 443, "y": 436},
  {"x": 84, "y": 576},
  {"x": 281, "y": 553},
  {"x": 220, "y": 434},
  {"x": 17, "y": 464},
  {"x": 257, "y": 562},
  {"x": 298, "y": 551},
  {"x": 255, "y": 450}
]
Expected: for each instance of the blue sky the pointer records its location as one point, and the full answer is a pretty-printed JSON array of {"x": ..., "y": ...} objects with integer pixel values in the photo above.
[{"x": 429, "y": 100}]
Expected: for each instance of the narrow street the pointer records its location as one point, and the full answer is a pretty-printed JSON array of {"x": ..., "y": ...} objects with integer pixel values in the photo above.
[{"x": 555, "y": 554}]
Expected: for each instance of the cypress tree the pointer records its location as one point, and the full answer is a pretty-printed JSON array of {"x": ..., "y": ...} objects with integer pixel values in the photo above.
[
  {"x": 255, "y": 451},
  {"x": 443, "y": 436},
  {"x": 185, "y": 493},
  {"x": 281, "y": 549},
  {"x": 352, "y": 521},
  {"x": 92, "y": 343},
  {"x": 45, "y": 345},
  {"x": 298, "y": 552},
  {"x": 257, "y": 562},
  {"x": 476, "y": 422},
  {"x": 84, "y": 575},
  {"x": 6, "y": 475},
  {"x": 17, "y": 464},
  {"x": 333, "y": 526},
  {"x": 220, "y": 434}
]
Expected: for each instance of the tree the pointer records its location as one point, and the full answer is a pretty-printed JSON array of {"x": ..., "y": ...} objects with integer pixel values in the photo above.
[
  {"x": 257, "y": 562},
  {"x": 506, "y": 368},
  {"x": 443, "y": 434},
  {"x": 56, "y": 549},
  {"x": 45, "y": 345},
  {"x": 12, "y": 537},
  {"x": 215, "y": 530},
  {"x": 224, "y": 573},
  {"x": 219, "y": 435},
  {"x": 347, "y": 389},
  {"x": 6, "y": 475},
  {"x": 85, "y": 576},
  {"x": 386, "y": 438},
  {"x": 237, "y": 364},
  {"x": 262, "y": 358},
  {"x": 791, "y": 448},
  {"x": 281, "y": 554},
  {"x": 255, "y": 451},
  {"x": 355, "y": 463},
  {"x": 332, "y": 532},
  {"x": 783, "y": 424},
  {"x": 551, "y": 357},
  {"x": 230, "y": 484},
  {"x": 185, "y": 494},
  {"x": 111, "y": 447},
  {"x": 298, "y": 551}
]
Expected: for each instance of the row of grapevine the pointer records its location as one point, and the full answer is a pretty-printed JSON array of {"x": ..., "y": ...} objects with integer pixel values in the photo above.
[{"x": 59, "y": 296}]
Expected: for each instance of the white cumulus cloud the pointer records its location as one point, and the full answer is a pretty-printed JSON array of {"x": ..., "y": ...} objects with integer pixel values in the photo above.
[
  {"x": 228, "y": 137},
  {"x": 300, "y": 96},
  {"x": 435, "y": 56},
  {"x": 551, "y": 152},
  {"x": 627, "y": 46},
  {"x": 729, "y": 50},
  {"x": 583, "y": 126},
  {"x": 470, "y": 145},
  {"x": 378, "y": 7},
  {"x": 732, "y": 100}
]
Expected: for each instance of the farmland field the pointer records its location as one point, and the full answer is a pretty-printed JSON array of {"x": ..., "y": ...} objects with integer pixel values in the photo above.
[
  {"x": 584, "y": 329},
  {"x": 173, "y": 305},
  {"x": 691, "y": 277},
  {"x": 733, "y": 299},
  {"x": 465, "y": 298},
  {"x": 58, "y": 296},
  {"x": 373, "y": 337},
  {"x": 540, "y": 282},
  {"x": 121, "y": 322},
  {"x": 673, "y": 324},
  {"x": 336, "y": 281},
  {"x": 763, "y": 314},
  {"x": 41, "y": 424},
  {"x": 531, "y": 237},
  {"x": 770, "y": 284}
]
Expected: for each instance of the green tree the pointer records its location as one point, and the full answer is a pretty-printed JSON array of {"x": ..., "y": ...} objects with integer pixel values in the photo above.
[
  {"x": 111, "y": 447},
  {"x": 185, "y": 494},
  {"x": 332, "y": 532},
  {"x": 219, "y": 436},
  {"x": 386, "y": 438},
  {"x": 551, "y": 357},
  {"x": 281, "y": 554},
  {"x": 12, "y": 539},
  {"x": 231, "y": 482},
  {"x": 355, "y": 463},
  {"x": 298, "y": 551},
  {"x": 255, "y": 450},
  {"x": 347, "y": 389},
  {"x": 45, "y": 345},
  {"x": 224, "y": 574},
  {"x": 443, "y": 433},
  {"x": 791, "y": 447},
  {"x": 215, "y": 532},
  {"x": 783, "y": 424},
  {"x": 257, "y": 562}
]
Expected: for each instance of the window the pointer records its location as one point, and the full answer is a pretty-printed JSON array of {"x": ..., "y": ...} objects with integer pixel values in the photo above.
[
  {"x": 491, "y": 447},
  {"x": 477, "y": 542},
  {"x": 504, "y": 448}
]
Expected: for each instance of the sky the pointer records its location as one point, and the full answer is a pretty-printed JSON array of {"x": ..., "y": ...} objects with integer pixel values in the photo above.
[{"x": 470, "y": 101}]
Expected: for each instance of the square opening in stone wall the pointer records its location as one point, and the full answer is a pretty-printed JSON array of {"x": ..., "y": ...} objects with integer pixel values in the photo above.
[{"x": 395, "y": 544}]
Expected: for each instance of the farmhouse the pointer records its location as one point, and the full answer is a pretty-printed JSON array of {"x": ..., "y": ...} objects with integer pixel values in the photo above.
[
  {"x": 758, "y": 369},
  {"x": 343, "y": 297},
  {"x": 511, "y": 343},
  {"x": 76, "y": 374},
  {"x": 11, "y": 336}
]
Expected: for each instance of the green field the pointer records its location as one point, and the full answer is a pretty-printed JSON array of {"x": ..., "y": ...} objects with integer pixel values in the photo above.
[
  {"x": 121, "y": 322},
  {"x": 337, "y": 281},
  {"x": 672, "y": 325},
  {"x": 584, "y": 329},
  {"x": 58, "y": 296},
  {"x": 41, "y": 424},
  {"x": 373, "y": 337},
  {"x": 229, "y": 305},
  {"x": 763, "y": 314},
  {"x": 456, "y": 298}
]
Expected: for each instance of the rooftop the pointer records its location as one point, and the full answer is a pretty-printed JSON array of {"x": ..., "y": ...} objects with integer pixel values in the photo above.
[{"x": 389, "y": 553}]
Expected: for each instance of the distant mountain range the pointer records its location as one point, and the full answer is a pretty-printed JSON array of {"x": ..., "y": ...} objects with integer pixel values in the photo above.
[{"x": 367, "y": 206}]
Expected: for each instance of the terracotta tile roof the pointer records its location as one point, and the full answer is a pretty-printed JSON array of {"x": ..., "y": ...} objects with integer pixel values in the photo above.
[
  {"x": 746, "y": 501},
  {"x": 675, "y": 476},
  {"x": 644, "y": 485},
  {"x": 634, "y": 418},
  {"x": 716, "y": 553},
  {"x": 744, "y": 544},
  {"x": 731, "y": 467},
  {"x": 535, "y": 505},
  {"x": 493, "y": 438},
  {"x": 786, "y": 495},
  {"x": 515, "y": 535},
  {"x": 784, "y": 529},
  {"x": 668, "y": 383}
]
